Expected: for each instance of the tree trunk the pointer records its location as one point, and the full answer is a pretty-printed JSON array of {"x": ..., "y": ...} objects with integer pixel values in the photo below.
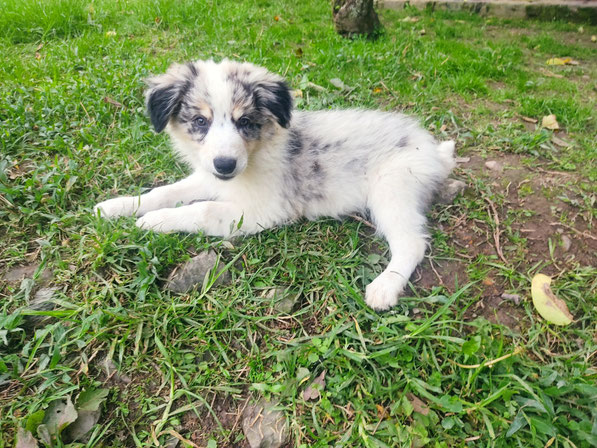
[{"x": 355, "y": 17}]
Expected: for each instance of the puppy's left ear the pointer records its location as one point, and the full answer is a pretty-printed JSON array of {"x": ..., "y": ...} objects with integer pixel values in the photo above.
[
  {"x": 165, "y": 94},
  {"x": 275, "y": 97}
]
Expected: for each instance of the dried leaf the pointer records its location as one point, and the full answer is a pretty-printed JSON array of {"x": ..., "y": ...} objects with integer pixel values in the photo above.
[
  {"x": 561, "y": 61},
  {"x": 417, "y": 404},
  {"x": 313, "y": 391},
  {"x": 550, "y": 74},
  {"x": 25, "y": 439},
  {"x": 112, "y": 101},
  {"x": 298, "y": 52},
  {"x": 551, "y": 308},
  {"x": 528, "y": 119},
  {"x": 560, "y": 142},
  {"x": 550, "y": 122},
  {"x": 593, "y": 38},
  {"x": 411, "y": 19},
  {"x": 337, "y": 83},
  {"x": 488, "y": 281},
  {"x": 58, "y": 416}
]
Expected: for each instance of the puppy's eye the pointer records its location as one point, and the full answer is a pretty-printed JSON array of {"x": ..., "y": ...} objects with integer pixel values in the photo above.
[
  {"x": 200, "y": 121},
  {"x": 244, "y": 121}
]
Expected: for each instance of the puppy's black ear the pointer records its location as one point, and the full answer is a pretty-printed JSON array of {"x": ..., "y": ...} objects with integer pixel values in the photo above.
[
  {"x": 275, "y": 98},
  {"x": 162, "y": 104},
  {"x": 165, "y": 94}
]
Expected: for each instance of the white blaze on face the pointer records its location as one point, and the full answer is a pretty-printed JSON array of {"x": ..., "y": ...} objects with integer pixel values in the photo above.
[{"x": 222, "y": 139}]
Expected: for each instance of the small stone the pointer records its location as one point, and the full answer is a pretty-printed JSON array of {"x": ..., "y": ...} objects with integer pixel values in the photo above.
[
  {"x": 284, "y": 299},
  {"x": 494, "y": 165},
  {"x": 511, "y": 297},
  {"x": 112, "y": 372},
  {"x": 264, "y": 426},
  {"x": 449, "y": 190},
  {"x": 566, "y": 243},
  {"x": 192, "y": 274}
]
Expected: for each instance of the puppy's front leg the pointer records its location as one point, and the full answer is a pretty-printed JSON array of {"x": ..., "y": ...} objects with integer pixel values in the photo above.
[
  {"x": 210, "y": 217},
  {"x": 184, "y": 191}
]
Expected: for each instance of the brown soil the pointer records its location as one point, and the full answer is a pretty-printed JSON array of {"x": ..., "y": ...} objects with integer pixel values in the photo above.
[{"x": 535, "y": 209}]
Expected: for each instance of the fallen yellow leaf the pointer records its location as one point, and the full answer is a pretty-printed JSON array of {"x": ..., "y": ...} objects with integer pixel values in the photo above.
[
  {"x": 561, "y": 61},
  {"x": 593, "y": 38},
  {"x": 550, "y": 122},
  {"x": 550, "y": 308}
]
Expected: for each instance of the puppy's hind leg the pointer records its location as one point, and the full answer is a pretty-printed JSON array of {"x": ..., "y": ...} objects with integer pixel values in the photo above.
[{"x": 395, "y": 209}]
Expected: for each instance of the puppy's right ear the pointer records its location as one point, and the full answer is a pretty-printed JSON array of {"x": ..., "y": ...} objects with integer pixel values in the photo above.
[{"x": 165, "y": 93}]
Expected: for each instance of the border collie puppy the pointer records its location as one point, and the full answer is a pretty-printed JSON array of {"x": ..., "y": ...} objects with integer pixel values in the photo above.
[{"x": 257, "y": 164}]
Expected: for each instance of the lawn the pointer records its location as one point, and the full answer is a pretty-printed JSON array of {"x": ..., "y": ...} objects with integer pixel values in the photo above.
[{"x": 456, "y": 363}]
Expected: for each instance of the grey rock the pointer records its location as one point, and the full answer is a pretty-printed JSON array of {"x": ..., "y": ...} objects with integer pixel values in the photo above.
[
  {"x": 449, "y": 190},
  {"x": 42, "y": 296},
  {"x": 355, "y": 17},
  {"x": 264, "y": 426},
  {"x": 566, "y": 243},
  {"x": 111, "y": 371},
  {"x": 494, "y": 165},
  {"x": 42, "y": 301},
  {"x": 284, "y": 299},
  {"x": 19, "y": 273},
  {"x": 193, "y": 273}
]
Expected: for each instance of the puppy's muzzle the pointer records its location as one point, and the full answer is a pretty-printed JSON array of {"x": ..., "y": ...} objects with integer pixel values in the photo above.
[{"x": 224, "y": 166}]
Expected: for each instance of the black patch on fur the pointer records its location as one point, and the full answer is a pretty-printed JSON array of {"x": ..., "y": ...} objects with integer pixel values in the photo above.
[
  {"x": 192, "y": 69},
  {"x": 294, "y": 146},
  {"x": 164, "y": 103},
  {"x": 277, "y": 100},
  {"x": 403, "y": 142},
  {"x": 316, "y": 168}
]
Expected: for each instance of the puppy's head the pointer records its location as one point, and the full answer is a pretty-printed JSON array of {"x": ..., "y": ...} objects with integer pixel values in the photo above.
[{"x": 218, "y": 113}]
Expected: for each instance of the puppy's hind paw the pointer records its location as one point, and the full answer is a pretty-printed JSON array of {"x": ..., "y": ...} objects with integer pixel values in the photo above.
[{"x": 382, "y": 293}]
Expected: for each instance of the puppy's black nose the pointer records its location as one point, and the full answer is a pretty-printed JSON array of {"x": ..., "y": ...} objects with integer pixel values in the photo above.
[{"x": 224, "y": 165}]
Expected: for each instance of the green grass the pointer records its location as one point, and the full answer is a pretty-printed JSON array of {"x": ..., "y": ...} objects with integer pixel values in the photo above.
[{"x": 184, "y": 361}]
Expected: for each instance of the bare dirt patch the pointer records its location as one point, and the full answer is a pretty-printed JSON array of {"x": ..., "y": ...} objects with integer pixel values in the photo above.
[{"x": 539, "y": 220}]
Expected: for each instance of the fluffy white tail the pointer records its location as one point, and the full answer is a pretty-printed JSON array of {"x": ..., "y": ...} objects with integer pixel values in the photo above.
[{"x": 446, "y": 152}]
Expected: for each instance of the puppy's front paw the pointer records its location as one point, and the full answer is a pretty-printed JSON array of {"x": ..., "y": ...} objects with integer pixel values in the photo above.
[
  {"x": 159, "y": 221},
  {"x": 121, "y": 206},
  {"x": 382, "y": 293}
]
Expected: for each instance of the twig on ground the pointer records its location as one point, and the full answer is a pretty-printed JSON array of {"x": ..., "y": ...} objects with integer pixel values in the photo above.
[
  {"x": 496, "y": 232},
  {"x": 439, "y": 277},
  {"x": 238, "y": 416},
  {"x": 488, "y": 363},
  {"x": 363, "y": 220},
  {"x": 182, "y": 439},
  {"x": 585, "y": 234}
]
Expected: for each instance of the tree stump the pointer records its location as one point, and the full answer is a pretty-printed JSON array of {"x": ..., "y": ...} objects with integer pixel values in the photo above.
[{"x": 353, "y": 17}]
